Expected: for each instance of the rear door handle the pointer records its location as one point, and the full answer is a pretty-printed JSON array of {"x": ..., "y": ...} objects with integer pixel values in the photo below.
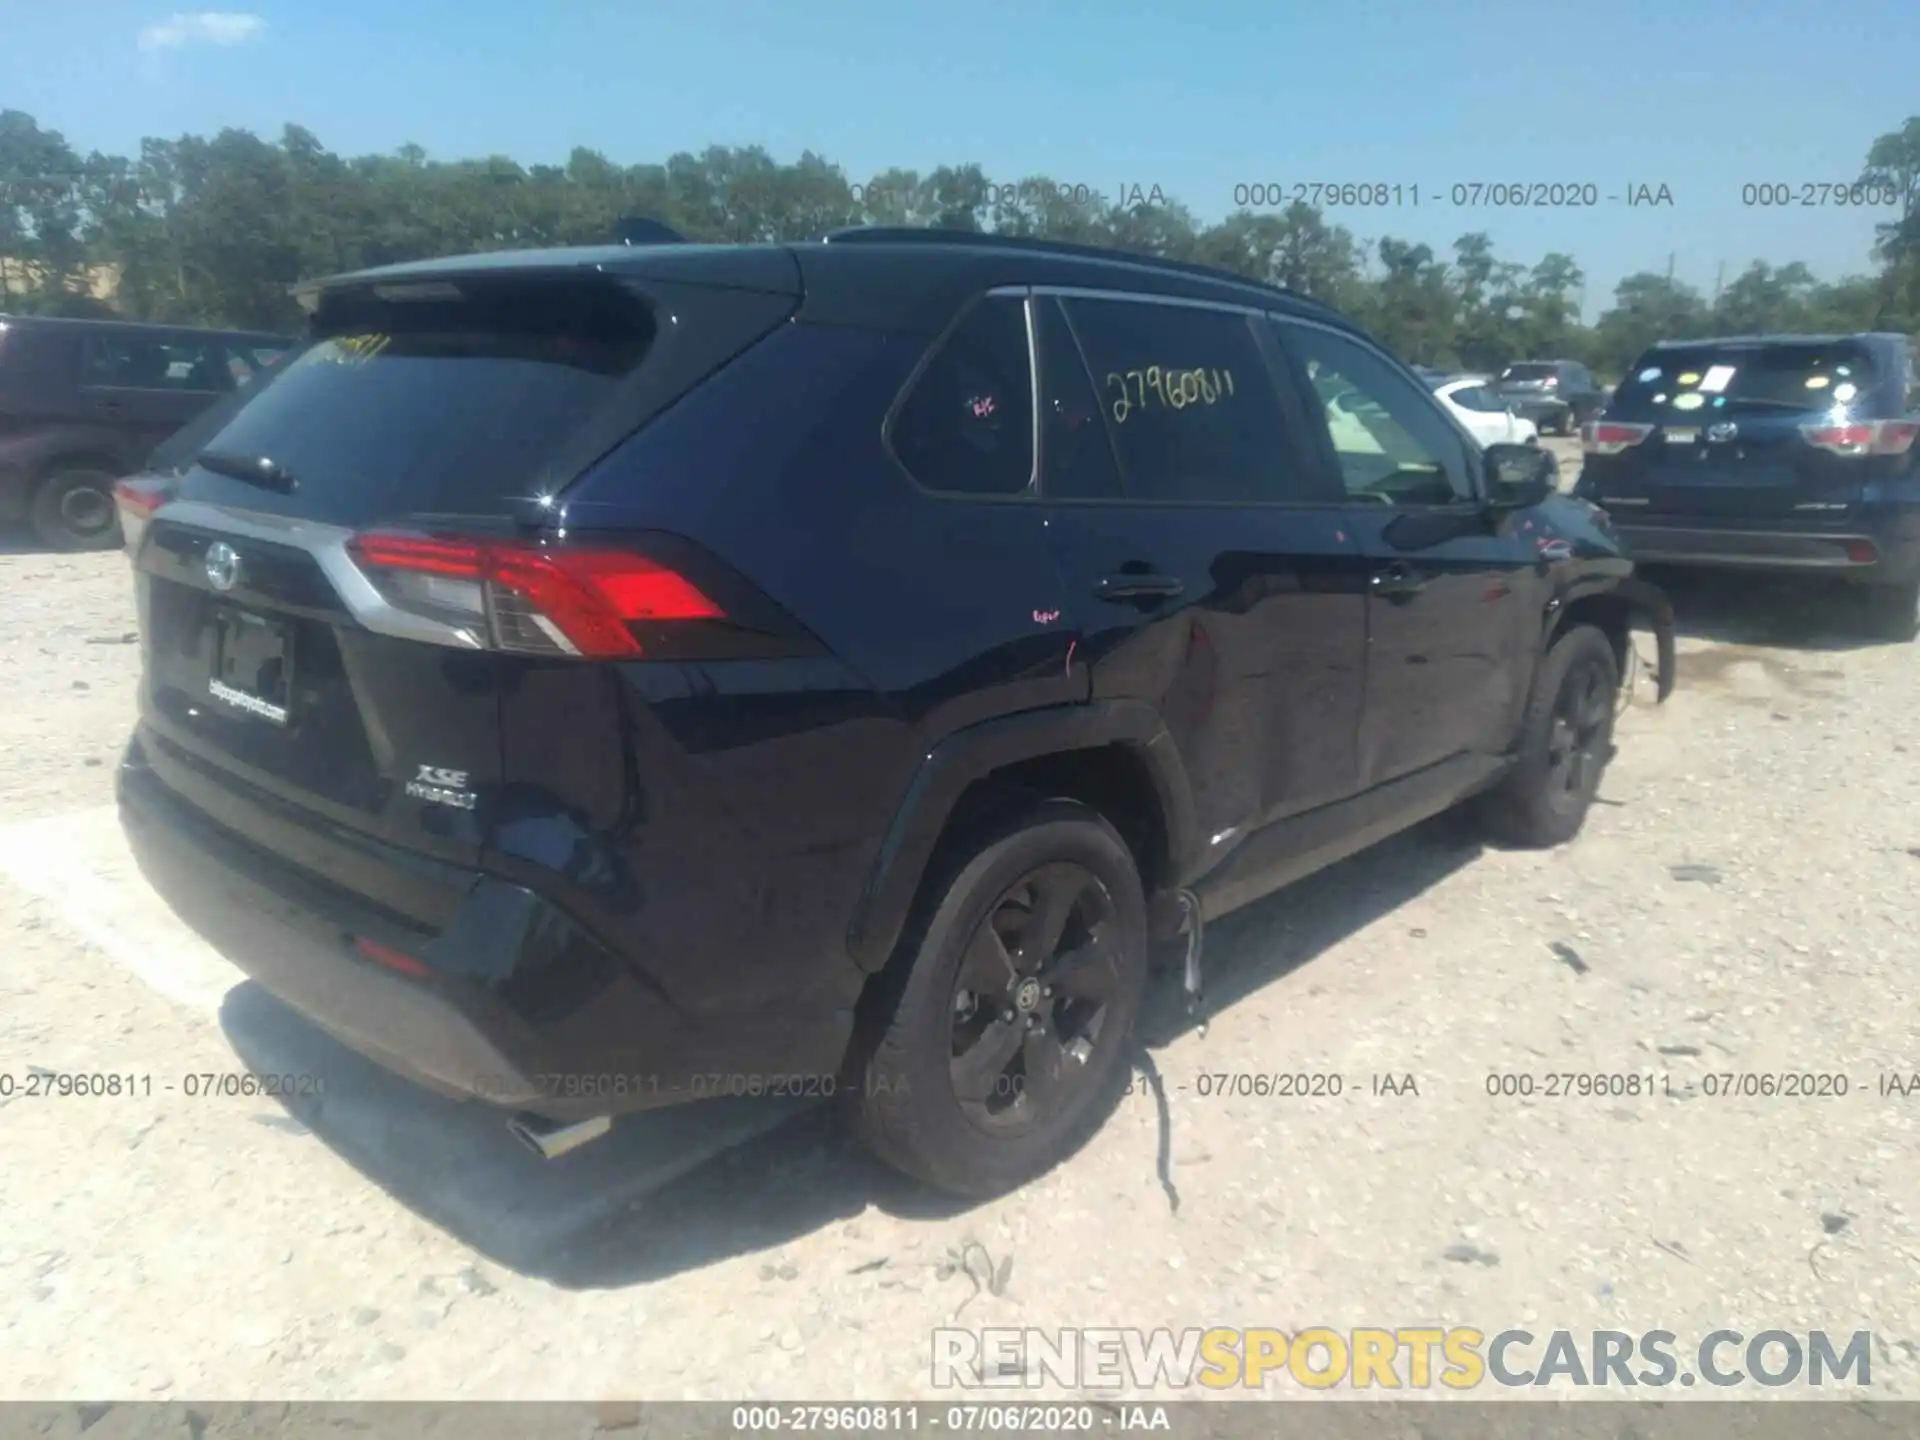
[
  {"x": 1398, "y": 582},
  {"x": 1138, "y": 587}
]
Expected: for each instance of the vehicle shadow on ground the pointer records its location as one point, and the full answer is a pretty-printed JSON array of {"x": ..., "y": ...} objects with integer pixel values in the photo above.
[
  {"x": 22, "y": 541},
  {"x": 1770, "y": 611},
  {"x": 678, "y": 1189}
]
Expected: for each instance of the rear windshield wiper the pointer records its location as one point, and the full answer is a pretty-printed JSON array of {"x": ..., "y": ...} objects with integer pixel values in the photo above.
[{"x": 259, "y": 470}]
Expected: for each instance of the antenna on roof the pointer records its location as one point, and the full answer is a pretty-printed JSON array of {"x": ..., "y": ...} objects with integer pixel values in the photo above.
[{"x": 639, "y": 230}]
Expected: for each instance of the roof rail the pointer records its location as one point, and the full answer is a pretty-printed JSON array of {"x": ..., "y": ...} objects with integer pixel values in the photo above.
[
  {"x": 910, "y": 234},
  {"x": 639, "y": 230}
]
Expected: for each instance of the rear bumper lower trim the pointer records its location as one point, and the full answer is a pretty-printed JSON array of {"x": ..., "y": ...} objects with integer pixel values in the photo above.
[{"x": 1746, "y": 549}]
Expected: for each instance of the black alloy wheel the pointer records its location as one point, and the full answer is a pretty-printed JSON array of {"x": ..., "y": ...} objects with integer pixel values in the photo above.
[
  {"x": 1001, "y": 1036},
  {"x": 1032, "y": 998},
  {"x": 1582, "y": 722}
]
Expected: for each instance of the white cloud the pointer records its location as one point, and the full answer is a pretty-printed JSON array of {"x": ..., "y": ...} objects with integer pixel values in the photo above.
[{"x": 202, "y": 27}]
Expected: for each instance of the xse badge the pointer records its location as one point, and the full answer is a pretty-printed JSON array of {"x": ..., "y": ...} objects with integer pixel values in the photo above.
[{"x": 442, "y": 787}]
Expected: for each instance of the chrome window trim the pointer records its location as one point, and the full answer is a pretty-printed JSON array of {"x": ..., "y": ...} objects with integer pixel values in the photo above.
[
  {"x": 1033, "y": 385},
  {"x": 1144, "y": 297}
]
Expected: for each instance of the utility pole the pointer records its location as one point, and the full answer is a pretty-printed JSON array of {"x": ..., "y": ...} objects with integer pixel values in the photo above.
[{"x": 1719, "y": 275}]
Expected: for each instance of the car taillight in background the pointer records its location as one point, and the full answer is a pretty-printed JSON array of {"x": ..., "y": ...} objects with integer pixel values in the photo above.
[
  {"x": 137, "y": 500},
  {"x": 1877, "y": 437},
  {"x": 1610, "y": 437},
  {"x": 529, "y": 598}
]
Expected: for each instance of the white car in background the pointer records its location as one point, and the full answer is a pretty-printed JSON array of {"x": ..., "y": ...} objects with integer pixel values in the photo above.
[{"x": 1474, "y": 404}]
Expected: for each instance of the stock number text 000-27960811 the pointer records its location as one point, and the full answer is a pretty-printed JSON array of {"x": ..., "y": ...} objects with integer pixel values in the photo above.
[{"x": 1173, "y": 389}]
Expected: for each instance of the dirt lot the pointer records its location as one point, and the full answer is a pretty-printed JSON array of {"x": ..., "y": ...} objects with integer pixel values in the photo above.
[{"x": 1743, "y": 900}]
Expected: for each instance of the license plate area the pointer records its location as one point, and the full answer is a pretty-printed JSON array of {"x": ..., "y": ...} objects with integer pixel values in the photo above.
[{"x": 252, "y": 670}]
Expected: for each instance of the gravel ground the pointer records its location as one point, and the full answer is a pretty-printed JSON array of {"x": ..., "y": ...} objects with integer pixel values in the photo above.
[{"x": 1741, "y": 901}]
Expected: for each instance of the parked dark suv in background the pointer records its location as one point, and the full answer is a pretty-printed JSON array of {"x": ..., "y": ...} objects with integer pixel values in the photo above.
[
  {"x": 592, "y": 680},
  {"x": 1793, "y": 454},
  {"x": 1557, "y": 395},
  {"x": 83, "y": 402}
]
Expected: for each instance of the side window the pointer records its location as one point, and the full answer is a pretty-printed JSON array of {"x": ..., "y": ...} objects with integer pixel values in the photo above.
[
  {"x": 1189, "y": 399},
  {"x": 1392, "y": 443},
  {"x": 134, "y": 364},
  {"x": 966, "y": 427},
  {"x": 1076, "y": 449},
  {"x": 37, "y": 361},
  {"x": 1474, "y": 397}
]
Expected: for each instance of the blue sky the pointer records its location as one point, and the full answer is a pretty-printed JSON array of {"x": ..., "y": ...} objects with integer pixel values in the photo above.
[{"x": 1702, "y": 98}]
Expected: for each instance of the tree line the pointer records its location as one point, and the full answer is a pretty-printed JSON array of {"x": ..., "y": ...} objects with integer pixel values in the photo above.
[{"x": 214, "y": 231}]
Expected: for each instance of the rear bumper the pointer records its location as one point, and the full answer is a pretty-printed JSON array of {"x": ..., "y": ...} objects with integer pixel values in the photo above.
[
  {"x": 518, "y": 1007},
  {"x": 1865, "y": 555}
]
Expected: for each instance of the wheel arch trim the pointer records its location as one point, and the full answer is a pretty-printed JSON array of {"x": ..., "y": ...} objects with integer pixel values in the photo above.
[{"x": 970, "y": 754}]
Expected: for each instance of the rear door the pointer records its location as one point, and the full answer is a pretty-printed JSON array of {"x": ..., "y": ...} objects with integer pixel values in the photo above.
[
  {"x": 146, "y": 386},
  {"x": 292, "y": 657},
  {"x": 1204, "y": 574},
  {"x": 1453, "y": 606},
  {"x": 1721, "y": 432},
  {"x": 39, "y": 369}
]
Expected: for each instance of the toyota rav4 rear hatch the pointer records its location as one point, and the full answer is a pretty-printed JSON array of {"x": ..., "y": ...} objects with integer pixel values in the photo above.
[
  {"x": 1766, "y": 430},
  {"x": 332, "y": 573}
]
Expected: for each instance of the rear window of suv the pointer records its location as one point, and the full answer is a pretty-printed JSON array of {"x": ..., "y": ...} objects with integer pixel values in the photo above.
[
  {"x": 1809, "y": 378},
  {"x": 439, "y": 406}
]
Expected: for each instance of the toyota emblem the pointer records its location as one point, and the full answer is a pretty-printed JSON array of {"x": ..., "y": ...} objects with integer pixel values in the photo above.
[{"x": 223, "y": 565}]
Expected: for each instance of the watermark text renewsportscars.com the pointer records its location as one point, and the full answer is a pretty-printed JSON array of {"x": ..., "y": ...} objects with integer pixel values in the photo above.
[{"x": 1399, "y": 1358}]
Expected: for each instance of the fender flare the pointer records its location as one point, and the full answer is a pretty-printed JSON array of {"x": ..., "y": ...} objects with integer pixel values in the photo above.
[
  {"x": 1645, "y": 602},
  {"x": 966, "y": 755},
  {"x": 1650, "y": 602}
]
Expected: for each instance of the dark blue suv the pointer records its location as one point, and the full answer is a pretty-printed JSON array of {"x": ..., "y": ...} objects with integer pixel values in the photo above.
[
  {"x": 1779, "y": 453},
  {"x": 589, "y": 680}
]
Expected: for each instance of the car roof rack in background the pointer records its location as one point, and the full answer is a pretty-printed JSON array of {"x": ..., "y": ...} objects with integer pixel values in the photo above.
[
  {"x": 1039, "y": 245},
  {"x": 640, "y": 230}
]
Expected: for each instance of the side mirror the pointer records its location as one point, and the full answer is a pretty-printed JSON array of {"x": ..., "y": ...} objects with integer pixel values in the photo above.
[{"x": 1519, "y": 476}]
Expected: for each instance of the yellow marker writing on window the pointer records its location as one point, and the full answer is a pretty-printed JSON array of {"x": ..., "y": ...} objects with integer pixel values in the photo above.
[{"x": 1165, "y": 388}]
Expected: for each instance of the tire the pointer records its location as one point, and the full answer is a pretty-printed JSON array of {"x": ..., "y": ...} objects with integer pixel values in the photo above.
[
  {"x": 947, "y": 1007},
  {"x": 75, "y": 510},
  {"x": 1564, "y": 745},
  {"x": 1892, "y": 611}
]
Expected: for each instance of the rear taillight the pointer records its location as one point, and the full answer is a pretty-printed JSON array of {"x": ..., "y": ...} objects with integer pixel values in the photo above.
[
  {"x": 1550, "y": 382},
  {"x": 137, "y": 500},
  {"x": 1876, "y": 437},
  {"x": 1610, "y": 437},
  {"x": 1862, "y": 552},
  {"x": 395, "y": 960},
  {"x": 530, "y": 598}
]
